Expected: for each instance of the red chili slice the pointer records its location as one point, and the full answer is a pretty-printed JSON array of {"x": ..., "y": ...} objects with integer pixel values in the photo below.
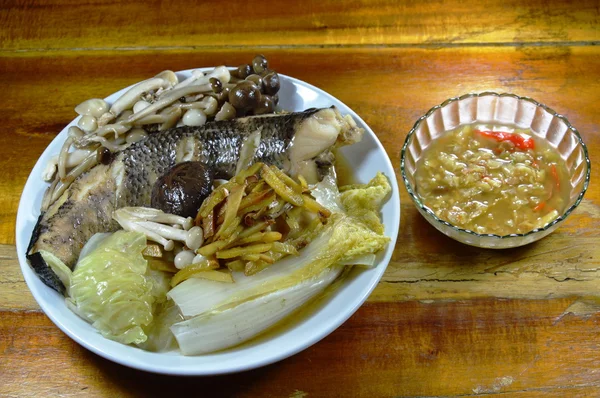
[{"x": 518, "y": 140}]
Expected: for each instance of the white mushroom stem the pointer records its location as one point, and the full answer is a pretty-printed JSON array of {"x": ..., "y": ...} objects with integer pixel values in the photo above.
[
  {"x": 132, "y": 95},
  {"x": 196, "y": 74},
  {"x": 108, "y": 117},
  {"x": 138, "y": 219},
  {"x": 62, "y": 158},
  {"x": 140, "y": 105},
  {"x": 167, "y": 99},
  {"x": 130, "y": 225},
  {"x": 150, "y": 119},
  {"x": 77, "y": 156},
  {"x": 124, "y": 115},
  {"x": 150, "y": 214},
  {"x": 172, "y": 115},
  {"x": 116, "y": 145},
  {"x": 169, "y": 76},
  {"x": 117, "y": 129},
  {"x": 209, "y": 105},
  {"x": 81, "y": 168},
  {"x": 72, "y": 159},
  {"x": 167, "y": 118},
  {"x": 166, "y": 231},
  {"x": 47, "y": 199},
  {"x": 193, "y": 98},
  {"x": 105, "y": 119},
  {"x": 197, "y": 78},
  {"x": 192, "y": 238}
]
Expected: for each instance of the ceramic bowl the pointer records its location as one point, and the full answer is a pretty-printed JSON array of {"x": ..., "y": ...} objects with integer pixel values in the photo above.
[{"x": 503, "y": 110}]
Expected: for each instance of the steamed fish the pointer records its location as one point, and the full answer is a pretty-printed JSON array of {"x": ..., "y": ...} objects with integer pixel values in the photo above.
[{"x": 299, "y": 143}]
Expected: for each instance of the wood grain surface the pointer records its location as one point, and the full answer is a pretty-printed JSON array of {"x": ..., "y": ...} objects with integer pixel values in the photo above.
[
  {"x": 446, "y": 319},
  {"x": 74, "y": 25},
  {"x": 475, "y": 347}
]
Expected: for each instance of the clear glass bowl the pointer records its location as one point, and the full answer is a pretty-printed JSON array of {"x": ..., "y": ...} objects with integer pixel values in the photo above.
[{"x": 499, "y": 109}]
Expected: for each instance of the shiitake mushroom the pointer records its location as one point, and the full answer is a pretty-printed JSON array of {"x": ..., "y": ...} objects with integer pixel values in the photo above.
[{"x": 182, "y": 189}]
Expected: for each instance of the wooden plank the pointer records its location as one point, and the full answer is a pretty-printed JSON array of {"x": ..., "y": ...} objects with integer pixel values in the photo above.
[
  {"x": 389, "y": 88},
  {"x": 476, "y": 347},
  {"x": 14, "y": 293},
  {"x": 40, "y": 26}
]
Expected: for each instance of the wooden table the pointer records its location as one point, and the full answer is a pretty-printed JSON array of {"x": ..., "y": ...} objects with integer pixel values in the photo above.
[{"x": 446, "y": 319}]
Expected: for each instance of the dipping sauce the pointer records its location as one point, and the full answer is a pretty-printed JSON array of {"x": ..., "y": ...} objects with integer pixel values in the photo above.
[{"x": 493, "y": 181}]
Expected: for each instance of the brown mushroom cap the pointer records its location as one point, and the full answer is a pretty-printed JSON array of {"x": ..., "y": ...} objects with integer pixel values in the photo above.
[
  {"x": 271, "y": 83},
  {"x": 182, "y": 189},
  {"x": 242, "y": 71},
  {"x": 244, "y": 95},
  {"x": 265, "y": 105},
  {"x": 259, "y": 64}
]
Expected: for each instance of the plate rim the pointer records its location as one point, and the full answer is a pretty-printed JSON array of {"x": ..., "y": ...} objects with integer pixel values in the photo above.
[{"x": 200, "y": 369}]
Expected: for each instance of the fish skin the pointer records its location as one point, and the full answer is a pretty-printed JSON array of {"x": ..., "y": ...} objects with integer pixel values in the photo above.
[{"x": 86, "y": 207}]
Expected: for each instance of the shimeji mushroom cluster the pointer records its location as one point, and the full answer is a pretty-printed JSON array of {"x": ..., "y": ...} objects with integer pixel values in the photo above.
[
  {"x": 165, "y": 229},
  {"x": 157, "y": 104}
]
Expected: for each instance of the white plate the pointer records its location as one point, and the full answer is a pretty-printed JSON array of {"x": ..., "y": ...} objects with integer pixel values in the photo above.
[{"x": 366, "y": 158}]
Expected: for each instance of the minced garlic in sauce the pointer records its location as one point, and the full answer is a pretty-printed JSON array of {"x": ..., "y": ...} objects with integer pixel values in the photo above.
[{"x": 493, "y": 182}]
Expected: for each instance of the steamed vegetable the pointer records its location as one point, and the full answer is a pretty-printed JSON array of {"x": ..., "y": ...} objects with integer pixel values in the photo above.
[
  {"x": 223, "y": 315},
  {"x": 113, "y": 289},
  {"x": 212, "y": 331},
  {"x": 213, "y": 307},
  {"x": 257, "y": 218}
]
